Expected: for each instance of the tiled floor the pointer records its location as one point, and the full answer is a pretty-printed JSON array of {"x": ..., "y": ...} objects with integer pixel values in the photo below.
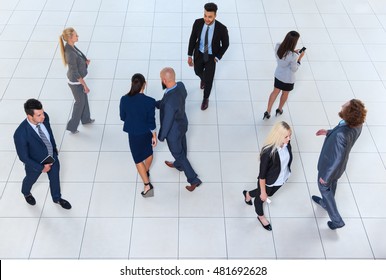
[{"x": 346, "y": 58}]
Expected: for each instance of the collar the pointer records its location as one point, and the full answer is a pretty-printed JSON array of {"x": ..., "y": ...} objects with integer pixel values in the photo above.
[{"x": 169, "y": 89}]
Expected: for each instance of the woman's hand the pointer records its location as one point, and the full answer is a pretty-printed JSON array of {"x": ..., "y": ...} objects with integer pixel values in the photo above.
[
  {"x": 263, "y": 196},
  {"x": 88, "y": 62},
  {"x": 86, "y": 89},
  {"x": 154, "y": 140}
]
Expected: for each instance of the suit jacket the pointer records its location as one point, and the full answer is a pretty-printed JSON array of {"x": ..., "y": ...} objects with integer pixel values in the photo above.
[
  {"x": 138, "y": 113},
  {"x": 270, "y": 166},
  {"x": 220, "y": 41},
  {"x": 76, "y": 60},
  {"x": 30, "y": 148},
  {"x": 335, "y": 151},
  {"x": 173, "y": 119}
]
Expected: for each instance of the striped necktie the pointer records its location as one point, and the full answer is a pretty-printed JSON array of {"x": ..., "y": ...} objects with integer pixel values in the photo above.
[
  {"x": 45, "y": 140},
  {"x": 206, "y": 45}
]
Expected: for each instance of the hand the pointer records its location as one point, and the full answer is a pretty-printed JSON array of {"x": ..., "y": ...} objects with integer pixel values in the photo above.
[
  {"x": 154, "y": 141},
  {"x": 301, "y": 55},
  {"x": 47, "y": 168},
  {"x": 215, "y": 60},
  {"x": 322, "y": 181},
  {"x": 263, "y": 196},
  {"x": 190, "y": 61},
  {"x": 88, "y": 61},
  {"x": 321, "y": 132},
  {"x": 86, "y": 89}
]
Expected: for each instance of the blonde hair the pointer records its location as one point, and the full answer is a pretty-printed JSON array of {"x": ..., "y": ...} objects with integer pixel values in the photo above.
[
  {"x": 275, "y": 137},
  {"x": 66, "y": 35}
]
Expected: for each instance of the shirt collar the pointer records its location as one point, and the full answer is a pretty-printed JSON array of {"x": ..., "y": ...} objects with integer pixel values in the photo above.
[{"x": 169, "y": 89}]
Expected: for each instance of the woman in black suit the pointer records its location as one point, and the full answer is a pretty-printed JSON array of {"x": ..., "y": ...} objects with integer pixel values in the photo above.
[
  {"x": 138, "y": 113},
  {"x": 275, "y": 169}
]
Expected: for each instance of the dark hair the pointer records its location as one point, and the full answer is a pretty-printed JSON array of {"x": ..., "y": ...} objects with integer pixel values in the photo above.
[
  {"x": 354, "y": 114},
  {"x": 137, "y": 82},
  {"x": 210, "y": 7},
  {"x": 288, "y": 44},
  {"x": 32, "y": 104}
]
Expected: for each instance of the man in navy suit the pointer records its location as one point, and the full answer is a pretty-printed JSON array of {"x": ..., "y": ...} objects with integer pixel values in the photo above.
[
  {"x": 174, "y": 125},
  {"x": 334, "y": 156},
  {"x": 208, "y": 43},
  {"x": 34, "y": 142}
]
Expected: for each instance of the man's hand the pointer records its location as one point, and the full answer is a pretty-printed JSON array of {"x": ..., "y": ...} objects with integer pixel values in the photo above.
[
  {"x": 190, "y": 61},
  {"x": 47, "y": 168},
  {"x": 321, "y": 132}
]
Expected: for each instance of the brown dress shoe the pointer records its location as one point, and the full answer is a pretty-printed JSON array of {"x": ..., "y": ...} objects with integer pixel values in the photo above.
[
  {"x": 169, "y": 163},
  {"x": 192, "y": 187},
  {"x": 202, "y": 85},
  {"x": 205, "y": 103}
]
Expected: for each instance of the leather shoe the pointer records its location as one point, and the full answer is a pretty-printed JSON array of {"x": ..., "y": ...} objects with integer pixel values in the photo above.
[
  {"x": 205, "y": 104},
  {"x": 332, "y": 226},
  {"x": 64, "y": 203},
  {"x": 30, "y": 199},
  {"x": 169, "y": 163},
  {"x": 192, "y": 187},
  {"x": 245, "y": 198},
  {"x": 267, "y": 227},
  {"x": 316, "y": 199},
  {"x": 202, "y": 85}
]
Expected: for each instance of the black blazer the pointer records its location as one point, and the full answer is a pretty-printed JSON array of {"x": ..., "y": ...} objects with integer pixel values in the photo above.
[
  {"x": 173, "y": 119},
  {"x": 270, "y": 166},
  {"x": 220, "y": 41}
]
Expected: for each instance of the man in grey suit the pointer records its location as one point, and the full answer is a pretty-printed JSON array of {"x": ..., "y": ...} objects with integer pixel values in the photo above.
[
  {"x": 334, "y": 156},
  {"x": 174, "y": 125}
]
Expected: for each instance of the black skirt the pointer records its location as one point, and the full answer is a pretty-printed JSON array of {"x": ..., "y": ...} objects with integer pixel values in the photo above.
[
  {"x": 283, "y": 86},
  {"x": 140, "y": 146}
]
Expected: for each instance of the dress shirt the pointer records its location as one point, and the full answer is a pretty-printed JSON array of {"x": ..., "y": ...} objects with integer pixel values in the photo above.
[
  {"x": 44, "y": 129},
  {"x": 210, "y": 37}
]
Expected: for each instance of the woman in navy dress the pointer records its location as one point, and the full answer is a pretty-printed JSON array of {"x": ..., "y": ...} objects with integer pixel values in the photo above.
[{"x": 138, "y": 113}]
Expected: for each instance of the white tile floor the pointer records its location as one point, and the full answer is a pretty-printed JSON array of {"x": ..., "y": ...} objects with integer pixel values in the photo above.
[{"x": 346, "y": 58}]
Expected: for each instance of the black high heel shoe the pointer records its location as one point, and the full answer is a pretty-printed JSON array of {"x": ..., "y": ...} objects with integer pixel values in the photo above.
[
  {"x": 149, "y": 192},
  {"x": 278, "y": 112},
  {"x": 266, "y": 115},
  {"x": 245, "y": 198},
  {"x": 267, "y": 227}
]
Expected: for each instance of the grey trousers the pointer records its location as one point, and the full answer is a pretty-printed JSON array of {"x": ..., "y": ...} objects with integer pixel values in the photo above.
[
  {"x": 81, "y": 110},
  {"x": 328, "y": 202}
]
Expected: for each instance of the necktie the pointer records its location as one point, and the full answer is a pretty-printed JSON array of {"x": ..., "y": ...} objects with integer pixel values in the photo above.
[
  {"x": 206, "y": 45},
  {"x": 45, "y": 140}
]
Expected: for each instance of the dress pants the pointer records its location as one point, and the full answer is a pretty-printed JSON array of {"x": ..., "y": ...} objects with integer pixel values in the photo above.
[
  {"x": 32, "y": 176},
  {"x": 205, "y": 70},
  {"x": 178, "y": 150},
  {"x": 258, "y": 202},
  {"x": 328, "y": 202},
  {"x": 81, "y": 110}
]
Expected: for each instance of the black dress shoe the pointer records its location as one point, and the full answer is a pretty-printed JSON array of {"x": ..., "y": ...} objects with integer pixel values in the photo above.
[
  {"x": 332, "y": 226},
  {"x": 205, "y": 104},
  {"x": 278, "y": 112},
  {"x": 267, "y": 227},
  {"x": 245, "y": 198},
  {"x": 316, "y": 199},
  {"x": 64, "y": 203},
  {"x": 30, "y": 199},
  {"x": 266, "y": 115}
]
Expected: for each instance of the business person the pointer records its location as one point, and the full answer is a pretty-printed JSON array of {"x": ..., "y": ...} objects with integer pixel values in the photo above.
[
  {"x": 288, "y": 62},
  {"x": 208, "y": 43},
  {"x": 77, "y": 64},
  {"x": 174, "y": 125},
  {"x": 138, "y": 113},
  {"x": 334, "y": 156},
  {"x": 34, "y": 142},
  {"x": 275, "y": 169}
]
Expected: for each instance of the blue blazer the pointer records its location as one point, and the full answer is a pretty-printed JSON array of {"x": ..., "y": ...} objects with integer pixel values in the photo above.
[
  {"x": 335, "y": 151},
  {"x": 30, "y": 148},
  {"x": 138, "y": 113},
  {"x": 173, "y": 119}
]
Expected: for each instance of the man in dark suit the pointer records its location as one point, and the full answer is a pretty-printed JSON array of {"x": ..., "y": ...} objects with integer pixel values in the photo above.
[
  {"x": 334, "y": 156},
  {"x": 174, "y": 125},
  {"x": 208, "y": 43},
  {"x": 35, "y": 142}
]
